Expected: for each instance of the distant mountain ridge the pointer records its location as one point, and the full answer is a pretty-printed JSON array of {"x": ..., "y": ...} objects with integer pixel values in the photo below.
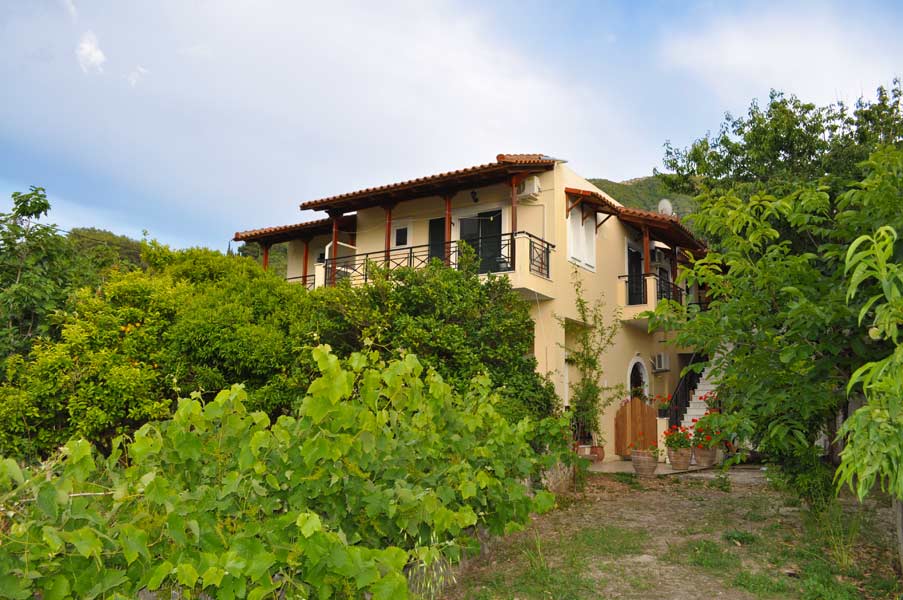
[{"x": 645, "y": 192}]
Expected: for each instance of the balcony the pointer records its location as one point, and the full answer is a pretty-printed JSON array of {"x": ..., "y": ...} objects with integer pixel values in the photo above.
[
  {"x": 305, "y": 280},
  {"x": 643, "y": 292},
  {"x": 524, "y": 257}
]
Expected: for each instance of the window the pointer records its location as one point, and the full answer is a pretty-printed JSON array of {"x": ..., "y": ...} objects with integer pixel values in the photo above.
[
  {"x": 582, "y": 238},
  {"x": 401, "y": 235}
]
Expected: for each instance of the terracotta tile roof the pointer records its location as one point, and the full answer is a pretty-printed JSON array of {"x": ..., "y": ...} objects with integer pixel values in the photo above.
[
  {"x": 279, "y": 233},
  {"x": 669, "y": 227},
  {"x": 506, "y": 164}
]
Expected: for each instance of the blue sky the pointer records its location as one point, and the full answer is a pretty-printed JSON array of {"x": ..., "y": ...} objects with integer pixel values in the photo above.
[{"x": 192, "y": 120}]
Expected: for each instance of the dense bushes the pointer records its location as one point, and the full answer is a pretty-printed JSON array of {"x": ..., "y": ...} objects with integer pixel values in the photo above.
[
  {"x": 196, "y": 320},
  {"x": 383, "y": 467}
]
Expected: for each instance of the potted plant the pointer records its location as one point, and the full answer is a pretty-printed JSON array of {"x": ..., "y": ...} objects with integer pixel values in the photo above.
[
  {"x": 644, "y": 458},
  {"x": 679, "y": 442},
  {"x": 705, "y": 441},
  {"x": 662, "y": 405}
]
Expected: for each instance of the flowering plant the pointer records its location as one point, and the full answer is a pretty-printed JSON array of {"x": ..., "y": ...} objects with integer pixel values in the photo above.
[
  {"x": 678, "y": 437},
  {"x": 662, "y": 402},
  {"x": 705, "y": 434}
]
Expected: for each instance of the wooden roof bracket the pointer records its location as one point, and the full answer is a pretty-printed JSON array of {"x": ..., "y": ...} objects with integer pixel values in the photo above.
[
  {"x": 571, "y": 206},
  {"x": 598, "y": 225}
]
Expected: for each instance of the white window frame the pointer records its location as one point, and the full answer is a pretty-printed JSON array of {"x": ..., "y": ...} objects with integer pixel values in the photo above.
[{"x": 403, "y": 224}]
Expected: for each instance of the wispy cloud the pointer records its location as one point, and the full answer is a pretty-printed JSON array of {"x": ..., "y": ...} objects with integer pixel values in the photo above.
[
  {"x": 69, "y": 5},
  {"x": 90, "y": 56},
  {"x": 136, "y": 75},
  {"x": 821, "y": 57}
]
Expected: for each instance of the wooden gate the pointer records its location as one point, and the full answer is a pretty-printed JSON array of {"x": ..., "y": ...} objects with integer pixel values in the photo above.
[{"x": 634, "y": 424}]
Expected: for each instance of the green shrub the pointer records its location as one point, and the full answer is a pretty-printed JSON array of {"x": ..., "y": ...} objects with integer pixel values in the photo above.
[
  {"x": 383, "y": 467},
  {"x": 198, "y": 321}
]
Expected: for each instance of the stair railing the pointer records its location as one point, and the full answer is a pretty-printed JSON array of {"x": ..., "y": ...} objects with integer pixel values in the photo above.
[{"x": 680, "y": 398}]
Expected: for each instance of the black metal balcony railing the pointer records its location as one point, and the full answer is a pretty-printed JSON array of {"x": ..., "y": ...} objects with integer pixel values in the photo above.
[
  {"x": 495, "y": 254},
  {"x": 305, "y": 280},
  {"x": 664, "y": 289}
]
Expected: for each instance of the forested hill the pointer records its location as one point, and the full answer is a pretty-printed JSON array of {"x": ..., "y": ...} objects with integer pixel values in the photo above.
[{"x": 644, "y": 192}]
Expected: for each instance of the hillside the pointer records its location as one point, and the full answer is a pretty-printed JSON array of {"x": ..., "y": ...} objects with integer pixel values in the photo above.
[{"x": 644, "y": 192}]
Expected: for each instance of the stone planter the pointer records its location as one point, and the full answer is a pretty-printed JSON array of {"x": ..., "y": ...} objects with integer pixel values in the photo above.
[
  {"x": 644, "y": 463},
  {"x": 680, "y": 458},
  {"x": 705, "y": 457}
]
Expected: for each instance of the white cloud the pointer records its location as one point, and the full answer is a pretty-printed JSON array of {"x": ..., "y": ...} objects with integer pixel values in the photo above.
[
  {"x": 90, "y": 56},
  {"x": 137, "y": 74},
  {"x": 69, "y": 5},
  {"x": 253, "y": 111},
  {"x": 819, "y": 56}
]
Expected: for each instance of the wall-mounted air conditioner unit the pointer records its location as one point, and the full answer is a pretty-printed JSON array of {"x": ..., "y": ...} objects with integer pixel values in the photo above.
[
  {"x": 660, "y": 257},
  {"x": 661, "y": 362},
  {"x": 529, "y": 188}
]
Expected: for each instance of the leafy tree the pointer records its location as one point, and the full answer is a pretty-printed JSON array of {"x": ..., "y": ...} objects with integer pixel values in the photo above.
[
  {"x": 786, "y": 144},
  {"x": 198, "y": 321},
  {"x": 874, "y": 433},
  {"x": 783, "y": 338},
  {"x": 105, "y": 248}
]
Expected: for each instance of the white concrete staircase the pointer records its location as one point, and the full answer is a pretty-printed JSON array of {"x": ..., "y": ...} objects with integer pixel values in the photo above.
[{"x": 698, "y": 406}]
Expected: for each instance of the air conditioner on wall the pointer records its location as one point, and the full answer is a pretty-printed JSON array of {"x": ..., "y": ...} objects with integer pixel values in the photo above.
[
  {"x": 659, "y": 256},
  {"x": 529, "y": 188},
  {"x": 661, "y": 362}
]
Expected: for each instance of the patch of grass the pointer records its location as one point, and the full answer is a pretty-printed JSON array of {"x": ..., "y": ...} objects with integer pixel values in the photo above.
[
  {"x": 721, "y": 482},
  {"x": 760, "y": 584},
  {"x": 628, "y": 479},
  {"x": 703, "y": 553},
  {"x": 607, "y": 541},
  {"x": 742, "y": 538},
  {"x": 818, "y": 582}
]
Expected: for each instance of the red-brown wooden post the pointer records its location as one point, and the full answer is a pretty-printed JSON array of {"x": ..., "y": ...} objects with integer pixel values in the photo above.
[
  {"x": 388, "y": 209},
  {"x": 306, "y": 257},
  {"x": 335, "y": 246},
  {"x": 647, "y": 262},
  {"x": 448, "y": 223},
  {"x": 266, "y": 256},
  {"x": 514, "y": 181}
]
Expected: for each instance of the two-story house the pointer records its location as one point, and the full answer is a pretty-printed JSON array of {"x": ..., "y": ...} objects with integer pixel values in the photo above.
[{"x": 533, "y": 219}]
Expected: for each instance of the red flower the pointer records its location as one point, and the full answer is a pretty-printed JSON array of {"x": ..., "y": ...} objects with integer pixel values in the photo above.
[
  {"x": 695, "y": 420},
  {"x": 699, "y": 446}
]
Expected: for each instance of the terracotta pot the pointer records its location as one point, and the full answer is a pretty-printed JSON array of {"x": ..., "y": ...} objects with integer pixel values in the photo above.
[
  {"x": 705, "y": 457},
  {"x": 644, "y": 463},
  {"x": 598, "y": 453},
  {"x": 680, "y": 458}
]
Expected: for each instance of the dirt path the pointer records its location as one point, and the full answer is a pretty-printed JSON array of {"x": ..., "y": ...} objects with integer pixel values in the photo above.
[{"x": 687, "y": 537}]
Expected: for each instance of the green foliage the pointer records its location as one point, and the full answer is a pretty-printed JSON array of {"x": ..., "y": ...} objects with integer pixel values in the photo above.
[
  {"x": 278, "y": 259},
  {"x": 39, "y": 269},
  {"x": 197, "y": 321},
  {"x": 645, "y": 193},
  {"x": 382, "y": 467},
  {"x": 787, "y": 144},
  {"x": 782, "y": 337},
  {"x": 874, "y": 433},
  {"x": 591, "y": 336}
]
